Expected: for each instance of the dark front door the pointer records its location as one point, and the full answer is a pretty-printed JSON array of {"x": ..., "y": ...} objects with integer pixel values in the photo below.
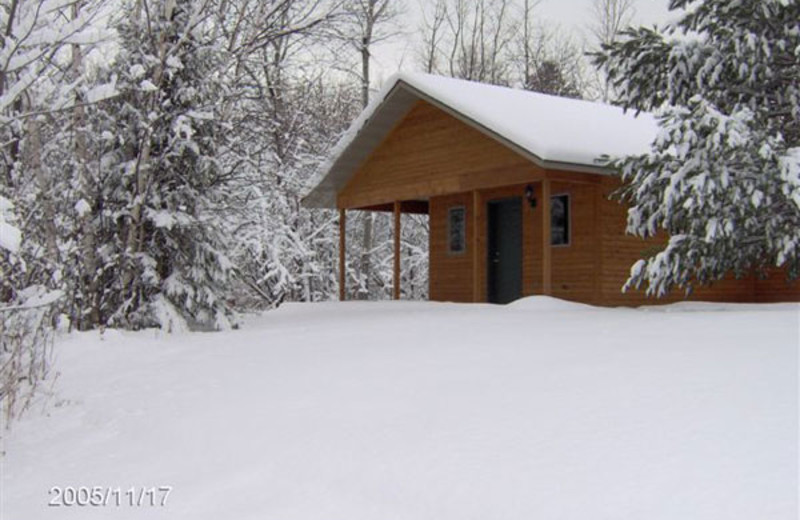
[{"x": 505, "y": 250}]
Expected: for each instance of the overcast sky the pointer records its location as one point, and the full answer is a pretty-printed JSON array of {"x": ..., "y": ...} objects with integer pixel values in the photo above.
[
  {"x": 572, "y": 16},
  {"x": 577, "y": 13}
]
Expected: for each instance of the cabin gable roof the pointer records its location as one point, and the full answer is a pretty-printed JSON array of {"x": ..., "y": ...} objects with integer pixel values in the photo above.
[{"x": 570, "y": 135}]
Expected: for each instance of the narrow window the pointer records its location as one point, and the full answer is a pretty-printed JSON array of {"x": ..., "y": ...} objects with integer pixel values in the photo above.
[
  {"x": 456, "y": 230},
  {"x": 559, "y": 220}
]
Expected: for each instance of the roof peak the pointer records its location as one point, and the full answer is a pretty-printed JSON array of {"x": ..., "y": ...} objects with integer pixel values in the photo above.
[{"x": 413, "y": 77}]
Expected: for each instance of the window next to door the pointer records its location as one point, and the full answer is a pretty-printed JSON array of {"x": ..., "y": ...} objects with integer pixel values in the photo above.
[
  {"x": 559, "y": 220},
  {"x": 456, "y": 230}
]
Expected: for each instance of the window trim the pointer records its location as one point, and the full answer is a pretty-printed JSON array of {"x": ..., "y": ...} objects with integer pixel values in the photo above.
[
  {"x": 569, "y": 219},
  {"x": 463, "y": 249}
]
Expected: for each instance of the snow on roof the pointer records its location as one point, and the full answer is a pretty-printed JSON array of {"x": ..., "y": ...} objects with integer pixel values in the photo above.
[
  {"x": 555, "y": 132},
  {"x": 552, "y": 128}
]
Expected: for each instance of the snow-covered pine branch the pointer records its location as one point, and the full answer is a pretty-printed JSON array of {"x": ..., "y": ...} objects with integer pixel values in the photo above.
[{"x": 723, "y": 177}]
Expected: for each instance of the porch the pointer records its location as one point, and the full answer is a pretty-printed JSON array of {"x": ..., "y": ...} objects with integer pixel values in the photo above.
[{"x": 476, "y": 263}]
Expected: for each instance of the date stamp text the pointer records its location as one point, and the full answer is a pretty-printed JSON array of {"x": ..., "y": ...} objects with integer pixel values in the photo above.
[{"x": 105, "y": 496}]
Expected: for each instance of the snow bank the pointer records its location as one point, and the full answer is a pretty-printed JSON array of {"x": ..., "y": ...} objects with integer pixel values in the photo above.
[
  {"x": 426, "y": 412},
  {"x": 548, "y": 303},
  {"x": 722, "y": 307}
]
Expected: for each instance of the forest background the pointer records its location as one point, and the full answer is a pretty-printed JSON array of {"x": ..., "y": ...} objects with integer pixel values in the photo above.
[{"x": 154, "y": 153}]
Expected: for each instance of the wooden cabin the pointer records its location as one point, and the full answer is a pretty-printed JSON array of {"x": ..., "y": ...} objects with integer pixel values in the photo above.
[{"x": 518, "y": 202}]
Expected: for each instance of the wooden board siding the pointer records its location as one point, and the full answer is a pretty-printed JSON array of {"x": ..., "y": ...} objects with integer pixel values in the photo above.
[
  {"x": 776, "y": 288},
  {"x": 591, "y": 269},
  {"x": 450, "y": 274},
  {"x": 430, "y": 153},
  {"x": 573, "y": 266},
  {"x": 620, "y": 251},
  {"x": 532, "y": 280}
]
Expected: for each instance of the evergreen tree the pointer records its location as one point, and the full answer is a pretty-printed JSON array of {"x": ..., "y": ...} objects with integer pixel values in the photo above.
[
  {"x": 550, "y": 77},
  {"x": 173, "y": 263},
  {"x": 723, "y": 176}
]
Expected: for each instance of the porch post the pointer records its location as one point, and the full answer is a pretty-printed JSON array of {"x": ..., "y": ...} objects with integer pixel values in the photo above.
[
  {"x": 397, "y": 215},
  {"x": 547, "y": 259},
  {"x": 342, "y": 249},
  {"x": 476, "y": 253}
]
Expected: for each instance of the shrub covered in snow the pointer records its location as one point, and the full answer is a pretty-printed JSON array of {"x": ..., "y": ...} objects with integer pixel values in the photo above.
[{"x": 25, "y": 322}]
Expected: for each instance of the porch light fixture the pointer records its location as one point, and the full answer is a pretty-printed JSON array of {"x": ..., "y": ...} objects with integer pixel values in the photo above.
[{"x": 529, "y": 195}]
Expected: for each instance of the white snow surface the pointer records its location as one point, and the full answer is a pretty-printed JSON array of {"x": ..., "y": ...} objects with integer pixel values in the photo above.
[{"x": 400, "y": 410}]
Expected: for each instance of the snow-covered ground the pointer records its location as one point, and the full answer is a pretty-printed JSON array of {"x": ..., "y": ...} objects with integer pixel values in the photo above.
[{"x": 536, "y": 410}]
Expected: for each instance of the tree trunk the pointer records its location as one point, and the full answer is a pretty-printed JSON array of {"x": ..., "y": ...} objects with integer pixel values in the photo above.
[
  {"x": 135, "y": 236},
  {"x": 366, "y": 249},
  {"x": 365, "y": 72},
  {"x": 369, "y": 220},
  {"x": 33, "y": 163},
  {"x": 90, "y": 278}
]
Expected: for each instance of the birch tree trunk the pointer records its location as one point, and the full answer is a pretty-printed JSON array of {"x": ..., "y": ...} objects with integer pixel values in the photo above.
[
  {"x": 369, "y": 219},
  {"x": 135, "y": 235}
]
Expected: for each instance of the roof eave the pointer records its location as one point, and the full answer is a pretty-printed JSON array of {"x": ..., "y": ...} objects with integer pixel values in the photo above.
[{"x": 387, "y": 114}]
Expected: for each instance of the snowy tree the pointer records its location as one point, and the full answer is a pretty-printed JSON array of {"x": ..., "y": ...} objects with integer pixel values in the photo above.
[
  {"x": 723, "y": 176},
  {"x": 545, "y": 60},
  {"x": 167, "y": 187},
  {"x": 501, "y": 42},
  {"x": 282, "y": 112},
  {"x": 368, "y": 23},
  {"x": 550, "y": 77},
  {"x": 284, "y": 252},
  {"x": 25, "y": 316},
  {"x": 470, "y": 39},
  {"x": 432, "y": 30},
  {"x": 38, "y": 90},
  {"x": 609, "y": 19}
]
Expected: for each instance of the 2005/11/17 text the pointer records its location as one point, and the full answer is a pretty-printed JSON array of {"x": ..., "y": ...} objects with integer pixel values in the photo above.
[{"x": 105, "y": 496}]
